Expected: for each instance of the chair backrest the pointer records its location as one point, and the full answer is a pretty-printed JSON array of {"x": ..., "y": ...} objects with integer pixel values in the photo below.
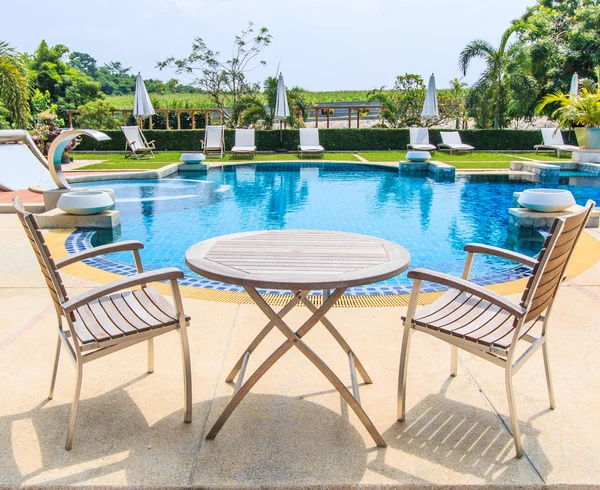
[
  {"x": 451, "y": 137},
  {"x": 309, "y": 137},
  {"x": 552, "y": 261},
  {"x": 552, "y": 136},
  {"x": 213, "y": 136},
  {"x": 419, "y": 136},
  {"x": 244, "y": 137},
  {"x": 43, "y": 256},
  {"x": 134, "y": 136}
]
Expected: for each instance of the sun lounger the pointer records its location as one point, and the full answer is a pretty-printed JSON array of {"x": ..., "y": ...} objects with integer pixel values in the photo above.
[
  {"x": 309, "y": 142},
  {"x": 451, "y": 141},
  {"x": 136, "y": 144},
  {"x": 22, "y": 165},
  {"x": 553, "y": 140},
  {"x": 244, "y": 143},
  {"x": 214, "y": 141},
  {"x": 419, "y": 140}
]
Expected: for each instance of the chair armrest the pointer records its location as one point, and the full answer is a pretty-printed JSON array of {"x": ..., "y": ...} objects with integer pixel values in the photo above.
[
  {"x": 467, "y": 287},
  {"x": 102, "y": 249},
  {"x": 167, "y": 274},
  {"x": 479, "y": 248}
]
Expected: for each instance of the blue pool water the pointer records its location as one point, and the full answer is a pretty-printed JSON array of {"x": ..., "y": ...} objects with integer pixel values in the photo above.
[{"x": 433, "y": 220}]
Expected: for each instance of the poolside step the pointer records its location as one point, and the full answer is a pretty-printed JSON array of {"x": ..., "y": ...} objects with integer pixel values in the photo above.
[
  {"x": 519, "y": 218},
  {"x": 435, "y": 169},
  {"x": 57, "y": 218}
]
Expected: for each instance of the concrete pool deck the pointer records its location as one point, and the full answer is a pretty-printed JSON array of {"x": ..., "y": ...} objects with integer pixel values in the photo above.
[{"x": 293, "y": 430}]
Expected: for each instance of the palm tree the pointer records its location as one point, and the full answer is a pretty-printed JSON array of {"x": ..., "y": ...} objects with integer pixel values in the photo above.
[
  {"x": 14, "y": 85},
  {"x": 494, "y": 81}
]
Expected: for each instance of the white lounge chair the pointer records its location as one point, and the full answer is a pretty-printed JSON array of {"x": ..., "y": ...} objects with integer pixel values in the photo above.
[
  {"x": 309, "y": 142},
  {"x": 214, "y": 141},
  {"x": 553, "y": 140},
  {"x": 136, "y": 144},
  {"x": 244, "y": 143},
  {"x": 451, "y": 141},
  {"x": 419, "y": 140},
  {"x": 21, "y": 163}
]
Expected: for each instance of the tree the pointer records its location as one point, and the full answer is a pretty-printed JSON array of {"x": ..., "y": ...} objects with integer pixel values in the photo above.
[
  {"x": 97, "y": 114},
  {"x": 68, "y": 86},
  {"x": 14, "y": 87},
  {"x": 491, "y": 92},
  {"x": 259, "y": 110},
  {"x": 83, "y": 62},
  {"x": 225, "y": 81},
  {"x": 403, "y": 104},
  {"x": 565, "y": 40}
]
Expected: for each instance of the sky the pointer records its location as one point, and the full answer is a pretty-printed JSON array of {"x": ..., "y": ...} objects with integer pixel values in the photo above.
[{"x": 318, "y": 44}]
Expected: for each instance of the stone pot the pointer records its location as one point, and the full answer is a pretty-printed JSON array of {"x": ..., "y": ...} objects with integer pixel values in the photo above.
[
  {"x": 546, "y": 200},
  {"x": 418, "y": 156},
  {"x": 593, "y": 138},
  {"x": 85, "y": 202}
]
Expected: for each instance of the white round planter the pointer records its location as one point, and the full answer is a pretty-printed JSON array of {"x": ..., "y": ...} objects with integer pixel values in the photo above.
[
  {"x": 546, "y": 200},
  {"x": 418, "y": 156},
  {"x": 192, "y": 158},
  {"x": 85, "y": 202}
]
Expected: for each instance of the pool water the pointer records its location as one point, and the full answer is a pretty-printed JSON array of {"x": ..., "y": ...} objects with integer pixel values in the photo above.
[{"x": 433, "y": 220}]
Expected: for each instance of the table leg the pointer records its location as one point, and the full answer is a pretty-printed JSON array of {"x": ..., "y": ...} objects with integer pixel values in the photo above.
[
  {"x": 340, "y": 340},
  {"x": 298, "y": 295},
  {"x": 295, "y": 339}
]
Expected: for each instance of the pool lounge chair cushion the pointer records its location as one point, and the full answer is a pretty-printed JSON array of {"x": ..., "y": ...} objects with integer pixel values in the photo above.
[
  {"x": 21, "y": 163},
  {"x": 244, "y": 142},
  {"x": 214, "y": 140},
  {"x": 452, "y": 141},
  {"x": 419, "y": 140},
  {"x": 309, "y": 141},
  {"x": 553, "y": 140}
]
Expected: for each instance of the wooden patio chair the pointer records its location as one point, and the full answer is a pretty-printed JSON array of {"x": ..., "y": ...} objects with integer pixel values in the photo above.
[
  {"x": 214, "y": 141},
  {"x": 136, "y": 144},
  {"x": 488, "y": 325},
  {"x": 111, "y": 317}
]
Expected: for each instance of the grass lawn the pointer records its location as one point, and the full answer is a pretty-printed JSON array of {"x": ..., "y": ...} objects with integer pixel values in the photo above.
[{"x": 117, "y": 161}]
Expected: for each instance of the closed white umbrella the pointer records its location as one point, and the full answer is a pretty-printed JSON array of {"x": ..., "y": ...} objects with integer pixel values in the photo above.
[
  {"x": 574, "y": 84},
  {"x": 282, "y": 110},
  {"x": 430, "y": 107},
  {"x": 142, "y": 106}
]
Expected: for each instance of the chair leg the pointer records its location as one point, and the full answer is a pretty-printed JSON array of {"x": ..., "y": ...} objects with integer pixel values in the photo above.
[
  {"x": 454, "y": 361},
  {"x": 74, "y": 406},
  {"x": 548, "y": 375},
  {"x": 151, "y": 355},
  {"x": 403, "y": 373},
  {"x": 187, "y": 376},
  {"x": 55, "y": 368},
  {"x": 512, "y": 407}
]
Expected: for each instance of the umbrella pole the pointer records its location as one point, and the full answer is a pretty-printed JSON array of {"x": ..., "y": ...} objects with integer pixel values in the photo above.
[{"x": 280, "y": 133}]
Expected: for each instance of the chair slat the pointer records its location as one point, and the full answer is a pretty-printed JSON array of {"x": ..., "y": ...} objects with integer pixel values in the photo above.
[
  {"x": 128, "y": 314},
  {"x": 150, "y": 307},
  {"x": 139, "y": 310},
  {"x": 104, "y": 320},
  {"x": 113, "y": 313},
  {"x": 91, "y": 325}
]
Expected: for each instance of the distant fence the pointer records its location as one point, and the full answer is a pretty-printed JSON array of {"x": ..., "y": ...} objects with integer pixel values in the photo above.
[
  {"x": 332, "y": 139},
  {"x": 127, "y": 114}
]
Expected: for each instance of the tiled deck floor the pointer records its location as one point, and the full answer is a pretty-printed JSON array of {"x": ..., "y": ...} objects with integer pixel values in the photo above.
[{"x": 293, "y": 430}]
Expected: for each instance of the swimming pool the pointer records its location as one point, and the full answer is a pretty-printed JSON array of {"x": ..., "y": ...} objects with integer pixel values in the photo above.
[{"x": 433, "y": 220}]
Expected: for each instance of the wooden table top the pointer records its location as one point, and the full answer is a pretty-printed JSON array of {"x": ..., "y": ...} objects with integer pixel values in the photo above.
[{"x": 297, "y": 259}]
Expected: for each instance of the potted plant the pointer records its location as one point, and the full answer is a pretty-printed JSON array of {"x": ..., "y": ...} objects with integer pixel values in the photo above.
[{"x": 581, "y": 111}]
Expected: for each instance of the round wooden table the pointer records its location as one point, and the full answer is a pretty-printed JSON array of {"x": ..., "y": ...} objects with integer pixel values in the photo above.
[{"x": 299, "y": 261}]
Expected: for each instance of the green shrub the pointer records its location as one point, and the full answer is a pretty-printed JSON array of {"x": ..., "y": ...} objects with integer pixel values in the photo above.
[{"x": 332, "y": 139}]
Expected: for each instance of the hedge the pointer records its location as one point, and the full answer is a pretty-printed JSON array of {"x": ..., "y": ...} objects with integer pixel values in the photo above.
[{"x": 332, "y": 139}]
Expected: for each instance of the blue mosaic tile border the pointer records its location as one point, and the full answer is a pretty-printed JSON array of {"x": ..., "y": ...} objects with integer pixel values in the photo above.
[{"x": 81, "y": 239}]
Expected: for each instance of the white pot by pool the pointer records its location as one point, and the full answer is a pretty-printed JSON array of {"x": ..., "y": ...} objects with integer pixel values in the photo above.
[
  {"x": 418, "y": 156},
  {"x": 546, "y": 200},
  {"x": 85, "y": 202},
  {"x": 192, "y": 158}
]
